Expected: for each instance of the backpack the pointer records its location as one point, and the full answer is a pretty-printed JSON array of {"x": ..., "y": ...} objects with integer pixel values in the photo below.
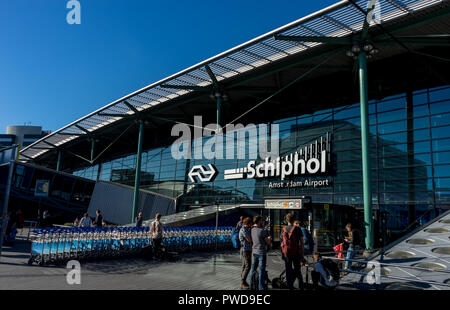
[
  {"x": 331, "y": 268},
  {"x": 235, "y": 238},
  {"x": 308, "y": 239},
  {"x": 289, "y": 243}
]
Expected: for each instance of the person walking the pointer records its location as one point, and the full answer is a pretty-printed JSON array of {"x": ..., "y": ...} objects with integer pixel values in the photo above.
[
  {"x": 353, "y": 241},
  {"x": 139, "y": 220},
  {"x": 292, "y": 249},
  {"x": 98, "y": 222},
  {"x": 261, "y": 240},
  {"x": 246, "y": 250},
  {"x": 156, "y": 230},
  {"x": 85, "y": 221}
]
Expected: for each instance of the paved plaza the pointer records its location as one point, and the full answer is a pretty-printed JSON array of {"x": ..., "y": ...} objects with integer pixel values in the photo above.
[{"x": 193, "y": 271}]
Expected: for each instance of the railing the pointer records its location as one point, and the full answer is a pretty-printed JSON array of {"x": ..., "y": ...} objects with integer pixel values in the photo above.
[
  {"x": 417, "y": 222},
  {"x": 393, "y": 265}
]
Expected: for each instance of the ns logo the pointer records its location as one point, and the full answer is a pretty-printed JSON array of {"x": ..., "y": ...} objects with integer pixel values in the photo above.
[{"x": 200, "y": 173}]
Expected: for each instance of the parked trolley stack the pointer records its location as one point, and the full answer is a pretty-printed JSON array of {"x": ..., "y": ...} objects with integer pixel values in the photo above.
[{"x": 59, "y": 245}]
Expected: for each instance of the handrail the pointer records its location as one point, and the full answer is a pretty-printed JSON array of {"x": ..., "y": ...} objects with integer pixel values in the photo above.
[
  {"x": 401, "y": 278},
  {"x": 416, "y": 222},
  {"x": 388, "y": 264},
  {"x": 345, "y": 251}
]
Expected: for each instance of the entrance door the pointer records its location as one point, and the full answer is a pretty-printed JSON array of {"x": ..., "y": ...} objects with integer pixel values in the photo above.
[{"x": 276, "y": 220}]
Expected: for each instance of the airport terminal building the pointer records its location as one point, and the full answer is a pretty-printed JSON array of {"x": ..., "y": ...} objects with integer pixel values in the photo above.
[{"x": 364, "y": 104}]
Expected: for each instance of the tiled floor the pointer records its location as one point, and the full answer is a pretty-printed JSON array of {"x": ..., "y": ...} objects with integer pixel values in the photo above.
[{"x": 194, "y": 271}]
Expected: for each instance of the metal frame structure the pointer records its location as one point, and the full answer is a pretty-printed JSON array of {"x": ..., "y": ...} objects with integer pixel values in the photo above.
[
  {"x": 341, "y": 20},
  {"x": 340, "y": 26}
]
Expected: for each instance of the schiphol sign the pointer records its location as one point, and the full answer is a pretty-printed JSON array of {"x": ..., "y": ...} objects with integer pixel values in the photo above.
[{"x": 310, "y": 160}]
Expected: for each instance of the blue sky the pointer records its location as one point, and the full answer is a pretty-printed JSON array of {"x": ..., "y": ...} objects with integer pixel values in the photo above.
[{"x": 52, "y": 73}]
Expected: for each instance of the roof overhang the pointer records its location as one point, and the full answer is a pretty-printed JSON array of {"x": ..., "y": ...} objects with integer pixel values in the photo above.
[{"x": 236, "y": 69}]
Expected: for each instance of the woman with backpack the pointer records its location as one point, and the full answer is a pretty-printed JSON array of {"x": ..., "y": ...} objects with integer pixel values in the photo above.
[{"x": 292, "y": 249}]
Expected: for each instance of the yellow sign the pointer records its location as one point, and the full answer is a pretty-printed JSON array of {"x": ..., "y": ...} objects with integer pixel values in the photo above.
[{"x": 326, "y": 207}]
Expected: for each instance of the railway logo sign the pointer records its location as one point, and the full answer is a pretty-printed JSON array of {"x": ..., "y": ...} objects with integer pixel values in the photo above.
[{"x": 200, "y": 173}]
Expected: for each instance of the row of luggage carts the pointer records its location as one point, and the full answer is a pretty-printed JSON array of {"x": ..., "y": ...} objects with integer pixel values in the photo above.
[
  {"x": 180, "y": 239},
  {"x": 59, "y": 245}
]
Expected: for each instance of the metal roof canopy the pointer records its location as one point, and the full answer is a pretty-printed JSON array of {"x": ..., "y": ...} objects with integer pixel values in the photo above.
[{"x": 342, "y": 19}]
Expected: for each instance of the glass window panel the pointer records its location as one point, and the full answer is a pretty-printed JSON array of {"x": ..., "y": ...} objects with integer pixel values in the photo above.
[
  {"x": 440, "y": 132},
  {"x": 344, "y": 113},
  {"x": 348, "y": 176},
  {"x": 442, "y": 183},
  {"x": 440, "y": 120},
  {"x": 441, "y": 158},
  {"x": 440, "y": 107},
  {"x": 441, "y": 145},
  {"x": 388, "y": 105},
  {"x": 423, "y": 197},
  {"x": 347, "y": 145},
  {"x": 355, "y": 187},
  {"x": 393, "y": 161},
  {"x": 287, "y": 125},
  {"x": 422, "y": 122},
  {"x": 304, "y": 121},
  {"x": 348, "y": 155},
  {"x": 443, "y": 197},
  {"x": 402, "y": 173},
  {"x": 391, "y": 116},
  {"x": 421, "y": 147},
  {"x": 393, "y": 138},
  {"x": 345, "y": 130},
  {"x": 392, "y": 127},
  {"x": 406, "y": 185},
  {"x": 440, "y": 94},
  {"x": 372, "y": 107},
  {"x": 386, "y": 150},
  {"x": 420, "y": 97},
  {"x": 442, "y": 171},
  {"x": 420, "y": 110},
  {"x": 422, "y": 159}
]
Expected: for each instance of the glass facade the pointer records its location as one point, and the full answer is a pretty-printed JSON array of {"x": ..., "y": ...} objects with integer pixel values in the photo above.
[{"x": 410, "y": 160}]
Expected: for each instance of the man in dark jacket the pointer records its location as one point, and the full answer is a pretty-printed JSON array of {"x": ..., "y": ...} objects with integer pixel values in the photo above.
[{"x": 98, "y": 219}]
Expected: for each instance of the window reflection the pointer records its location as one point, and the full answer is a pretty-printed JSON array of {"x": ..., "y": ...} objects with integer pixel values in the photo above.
[{"x": 402, "y": 161}]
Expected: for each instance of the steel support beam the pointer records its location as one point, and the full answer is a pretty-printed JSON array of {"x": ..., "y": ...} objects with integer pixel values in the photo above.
[
  {"x": 92, "y": 149},
  {"x": 6, "y": 199},
  {"x": 365, "y": 154},
  {"x": 219, "y": 109},
  {"x": 58, "y": 163},
  {"x": 137, "y": 181}
]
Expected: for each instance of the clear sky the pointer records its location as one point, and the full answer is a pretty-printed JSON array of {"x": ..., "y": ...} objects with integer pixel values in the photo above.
[{"x": 52, "y": 73}]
